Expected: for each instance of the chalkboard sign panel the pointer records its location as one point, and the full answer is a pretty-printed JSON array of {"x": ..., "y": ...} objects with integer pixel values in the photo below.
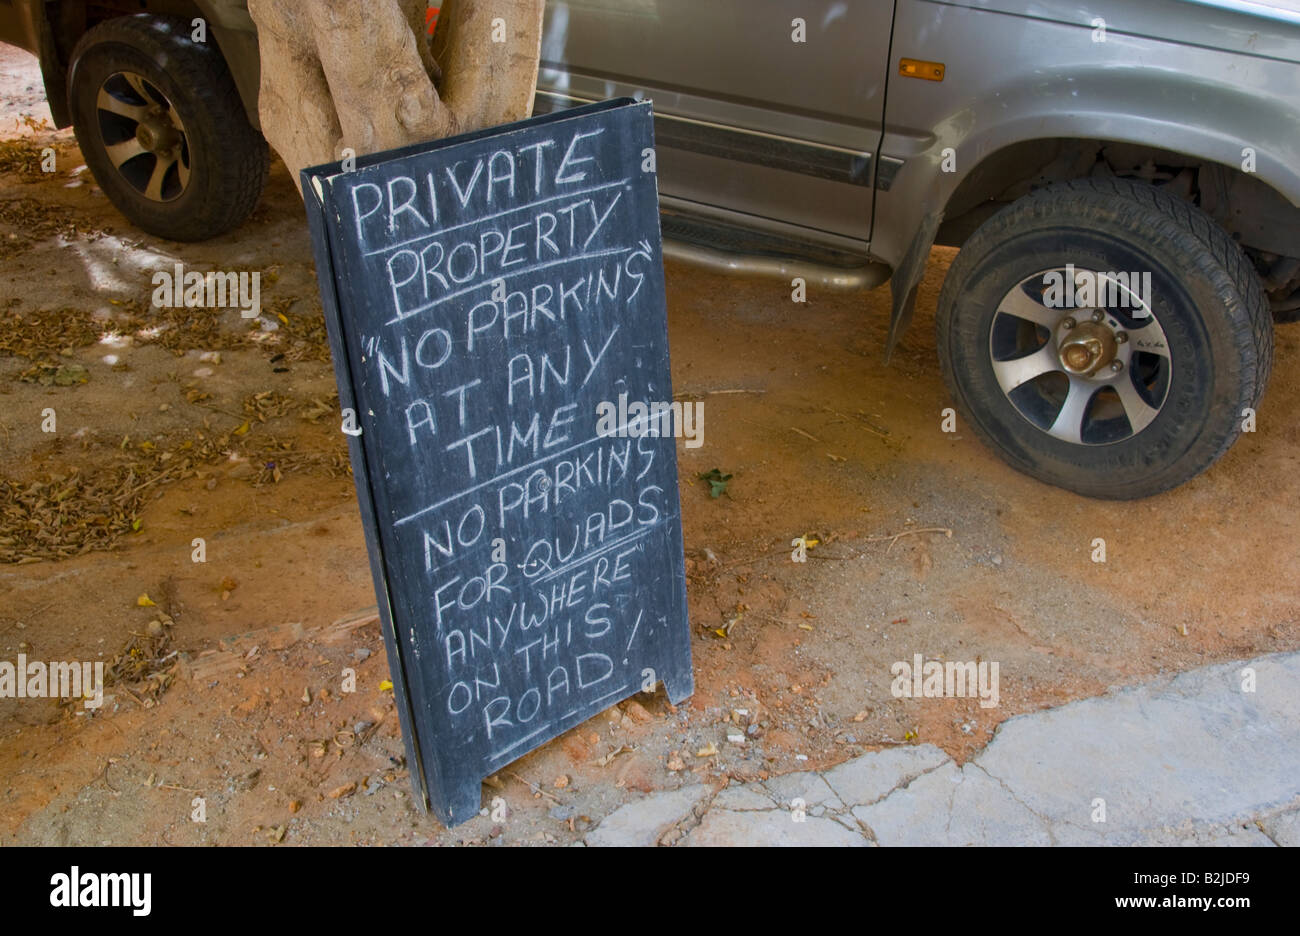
[{"x": 489, "y": 298}]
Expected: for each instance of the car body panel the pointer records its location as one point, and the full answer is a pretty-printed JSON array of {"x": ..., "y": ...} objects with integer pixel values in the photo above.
[
  {"x": 1055, "y": 81},
  {"x": 19, "y": 24},
  {"x": 748, "y": 120}
]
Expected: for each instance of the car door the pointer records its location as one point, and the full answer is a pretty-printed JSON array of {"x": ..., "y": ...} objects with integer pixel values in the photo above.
[{"x": 765, "y": 111}]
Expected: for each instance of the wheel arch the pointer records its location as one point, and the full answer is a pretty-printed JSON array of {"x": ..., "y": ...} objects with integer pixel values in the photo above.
[
  {"x": 1255, "y": 210},
  {"x": 1191, "y": 111}
]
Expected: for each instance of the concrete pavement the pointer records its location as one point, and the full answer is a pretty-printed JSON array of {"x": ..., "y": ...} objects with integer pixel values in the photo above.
[{"x": 1206, "y": 757}]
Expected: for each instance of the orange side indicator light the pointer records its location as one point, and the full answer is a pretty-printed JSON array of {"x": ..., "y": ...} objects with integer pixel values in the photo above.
[{"x": 915, "y": 68}]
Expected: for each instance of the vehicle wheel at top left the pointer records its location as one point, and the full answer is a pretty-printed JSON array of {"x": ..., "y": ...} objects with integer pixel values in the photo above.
[{"x": 162, "y": 127}]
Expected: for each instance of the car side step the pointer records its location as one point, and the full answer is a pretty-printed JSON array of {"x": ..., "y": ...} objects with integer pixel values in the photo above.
[{"x": 725, "y": 248}]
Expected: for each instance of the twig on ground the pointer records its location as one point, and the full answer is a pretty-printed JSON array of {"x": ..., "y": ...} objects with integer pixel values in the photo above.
[
  {"x": 104, "y": 773},
  {"x": 896, "y": 536},
  {"x": 536, "y": 788}
]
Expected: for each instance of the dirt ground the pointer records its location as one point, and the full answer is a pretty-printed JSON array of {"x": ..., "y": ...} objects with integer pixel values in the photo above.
[{"x": 172, "y": 427}]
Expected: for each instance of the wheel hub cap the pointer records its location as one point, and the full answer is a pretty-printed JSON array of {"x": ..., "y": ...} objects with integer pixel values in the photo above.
[
  {"x": 156, "y": 135},
  {"x": 1090, "y": 373},
  {"x": 1087, "y": 348}
]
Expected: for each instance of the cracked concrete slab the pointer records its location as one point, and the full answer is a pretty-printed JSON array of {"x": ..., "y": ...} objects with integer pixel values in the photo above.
[
  {"x": 866, "y": 779},
  {"x": 742, "y": 796},
  {"x": 1203, "y": 836},
  {"x": 1284, "y": 828},
  {"x": 1194, "y": 746},
  {"x": 953, "y": 806},
  {"x": 724, "y": 827},
  {"x": 807, "y": 786},
  {"x": 643, "y": 822}
]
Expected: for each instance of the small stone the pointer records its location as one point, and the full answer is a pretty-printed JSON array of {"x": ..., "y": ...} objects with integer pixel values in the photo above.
[
  {"x": 247, "y": 781},
  {"x": 637, "y": 712},
  {"x": 346, "y": 790}
]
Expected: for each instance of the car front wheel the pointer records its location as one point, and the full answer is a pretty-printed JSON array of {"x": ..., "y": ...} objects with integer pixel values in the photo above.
[{"x": 1105, "y": 337}]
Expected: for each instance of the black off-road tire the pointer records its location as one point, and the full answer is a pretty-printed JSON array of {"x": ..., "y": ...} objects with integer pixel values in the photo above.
[
  {"x": 1206, "y": 297},
  {"x": 228, "y": 159}
]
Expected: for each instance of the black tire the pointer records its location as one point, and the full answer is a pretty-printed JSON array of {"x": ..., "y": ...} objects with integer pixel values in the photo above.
[
  {"x": 216, "y": 164},
  {"x": 1208, "y": 307}
]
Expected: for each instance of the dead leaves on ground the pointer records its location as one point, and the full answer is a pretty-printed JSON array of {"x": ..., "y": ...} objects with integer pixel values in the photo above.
[
  {"x": 62, "y": 515},
  {"x": 44, "y": 334},
  {"x": 24, "y": 222},
  {"x": 68, "y": 513}
]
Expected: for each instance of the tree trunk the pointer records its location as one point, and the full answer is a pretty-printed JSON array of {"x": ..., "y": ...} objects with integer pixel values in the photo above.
[{"x": 361, "y": 75}]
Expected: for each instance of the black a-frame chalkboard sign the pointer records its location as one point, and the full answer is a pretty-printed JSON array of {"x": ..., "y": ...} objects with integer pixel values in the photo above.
[{"x": 484, "y": 296}]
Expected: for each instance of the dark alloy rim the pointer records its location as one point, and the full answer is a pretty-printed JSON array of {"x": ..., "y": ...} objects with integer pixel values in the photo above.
[{"x": 143, "y": 136}]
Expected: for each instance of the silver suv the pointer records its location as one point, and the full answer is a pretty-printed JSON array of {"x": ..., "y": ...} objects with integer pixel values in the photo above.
[{"x": 1123, "y": 180}]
